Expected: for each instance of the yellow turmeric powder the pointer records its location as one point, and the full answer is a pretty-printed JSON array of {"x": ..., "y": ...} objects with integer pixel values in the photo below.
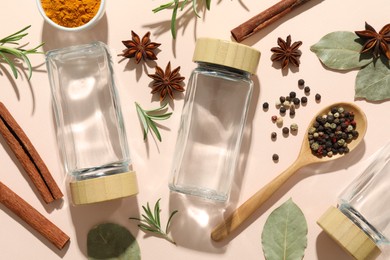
[{"x": 70, "y": 13}]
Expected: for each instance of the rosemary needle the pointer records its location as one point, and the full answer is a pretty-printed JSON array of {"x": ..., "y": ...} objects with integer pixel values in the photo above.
[{"x": 7, "y": 49}]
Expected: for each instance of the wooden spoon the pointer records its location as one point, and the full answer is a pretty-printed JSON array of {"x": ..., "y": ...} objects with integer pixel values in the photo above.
[{"x": 305, "y": 158}]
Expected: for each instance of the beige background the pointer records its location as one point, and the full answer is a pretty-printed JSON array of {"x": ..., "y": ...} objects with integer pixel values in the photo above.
[{"x": 314, "y": 188}]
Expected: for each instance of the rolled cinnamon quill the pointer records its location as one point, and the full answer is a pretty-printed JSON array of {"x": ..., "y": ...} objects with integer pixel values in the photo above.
[
  {"x": 265, "y": 18},
  {"x": 32, "y": 217},
  {"x": 28, "y": 157}
]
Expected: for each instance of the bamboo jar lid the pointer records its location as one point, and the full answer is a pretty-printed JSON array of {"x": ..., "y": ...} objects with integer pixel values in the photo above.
[
  {"x": 104, "y": 188},
  {"x": 348, "y": 235},
  {"x": 227, "y": 53}
]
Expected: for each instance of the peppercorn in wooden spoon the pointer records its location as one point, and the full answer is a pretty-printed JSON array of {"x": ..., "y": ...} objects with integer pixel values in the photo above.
[{"x": 335, "y": 131}]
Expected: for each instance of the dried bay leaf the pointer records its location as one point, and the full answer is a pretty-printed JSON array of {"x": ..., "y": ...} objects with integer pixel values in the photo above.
[
  {"x": 112, "y": 242},
  {"x": 373, "y": 82},
  {"x": 341, "y": 50},
  {"x": 285, "y": 233}
]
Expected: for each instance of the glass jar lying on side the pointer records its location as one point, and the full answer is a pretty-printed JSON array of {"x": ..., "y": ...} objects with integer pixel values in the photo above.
[
  {"x": 213, "y": 118},
  {"x": 361, "y": 221},
  {"x": 90, "y": 128}
]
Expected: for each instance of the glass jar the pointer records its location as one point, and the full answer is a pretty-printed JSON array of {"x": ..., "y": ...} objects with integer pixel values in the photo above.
[
  {"x": 90, "y": 128},
  {"x": 213, "y": 118},
  {"x": 361, "y": 221}
]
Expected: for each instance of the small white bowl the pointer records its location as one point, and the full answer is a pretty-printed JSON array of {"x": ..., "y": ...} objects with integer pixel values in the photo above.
[{"x": 88, "y": 25}]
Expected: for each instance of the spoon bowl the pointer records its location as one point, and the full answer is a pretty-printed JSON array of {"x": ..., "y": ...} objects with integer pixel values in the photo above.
[{"x": 305, "y": 157}]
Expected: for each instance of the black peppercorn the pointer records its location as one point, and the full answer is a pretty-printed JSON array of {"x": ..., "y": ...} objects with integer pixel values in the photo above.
[
  {"x": 282, "y": 99},
  {"x": 274, "y": 135},
  {"x": 282, "y": 110},
  {"x": 307, "y": 89},
  {"x": 301, "y": 82},
  {"x": 292, "y": 111},
  {"x": 286, "y": 130},
  {"x": 318, "y": 97},
  {"x": 296, "y": 101},
  {"x": 275, "y": 157},
  {"x": 265, "y": 105},
  {"x": 292, "y": 94},
  {"x": 303, "y": 100}
]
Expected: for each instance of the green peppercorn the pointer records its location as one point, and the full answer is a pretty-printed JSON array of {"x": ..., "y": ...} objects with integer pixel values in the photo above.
[{"x": 294, "y": 127}]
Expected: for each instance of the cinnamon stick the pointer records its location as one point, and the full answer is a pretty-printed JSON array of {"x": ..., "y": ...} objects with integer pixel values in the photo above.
[
  {"x": 32, "y": 217},
  {"x": 28, "y": 156},
  {"x": 265, "y": 18}
]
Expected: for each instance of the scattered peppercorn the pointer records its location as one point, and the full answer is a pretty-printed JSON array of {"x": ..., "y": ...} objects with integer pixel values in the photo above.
[
  {"x": 292, "y": 110},
  {"x": 275, "y": 157},
  {"x": 274, "y": 118},
  {"x": 304, "y": 100},
  {"x": 279, "y": 121},
  {"x": 274, "y": 135},
  {"x": 301, "y": 82},
  {"x": 265, "y": 105},
  {"x": 331, "y": 133},
  {"x": 318, "y": 97},
  {"x": 293, "y": 94},
  {"x": 285, "y": 130},
  {"x": 282, "y": 99},
  {"x": 293, "y": 127},
  {"x": 307, "y": 89},
  {"x": 282, "y": 110},
  {"x": 296, "y": 101}
]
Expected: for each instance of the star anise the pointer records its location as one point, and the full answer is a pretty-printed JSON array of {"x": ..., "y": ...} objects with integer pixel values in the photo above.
[
  {"x": 140, "y": 48},
  {"x": 166, "y": 82},
  {"x": 287, "y": 53},
  {"x": 377, "y": 42}
]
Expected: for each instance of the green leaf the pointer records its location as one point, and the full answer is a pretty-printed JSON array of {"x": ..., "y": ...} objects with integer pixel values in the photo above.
[
  {"x": 373, "y": 82},
  {"x": 112, "y": 242},
  {"x": 285, "y": 233},
  {"x": 341, "y": 50}
]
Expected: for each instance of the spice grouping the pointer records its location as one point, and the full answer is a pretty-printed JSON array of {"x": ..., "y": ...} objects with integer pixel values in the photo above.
[{"x": 331, "y": 133}]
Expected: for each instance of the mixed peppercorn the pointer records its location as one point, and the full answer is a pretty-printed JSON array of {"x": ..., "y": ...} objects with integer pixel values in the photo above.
[{"x": 331, "y": 133}]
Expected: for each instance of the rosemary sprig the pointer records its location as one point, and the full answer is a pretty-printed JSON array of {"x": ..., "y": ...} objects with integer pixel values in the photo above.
[
  {"x": 147, "y": 118},
  {"x": 175, "y": 5},
  {"x": 151, "y": 222},
  {"x": 18, "y": 52}
]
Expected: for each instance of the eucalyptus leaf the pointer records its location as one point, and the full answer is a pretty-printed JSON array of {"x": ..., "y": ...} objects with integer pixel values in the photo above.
[
  {"x": 112, "y": 242},
  {"x": 285, "y": 233},
  {"x": 373, "y": 82},
  {"x": 341, "y": 50}
]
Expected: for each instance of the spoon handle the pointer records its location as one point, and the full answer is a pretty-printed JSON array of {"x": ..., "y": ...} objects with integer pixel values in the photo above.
[{"x": 253, "y": 203}]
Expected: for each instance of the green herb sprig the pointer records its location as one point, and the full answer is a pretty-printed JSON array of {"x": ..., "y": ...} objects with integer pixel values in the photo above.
[
  {"x": 175, "y": 5},
  {"x": 18, "y": 52},
  {"x": 151, "y": 222},
  {"x": 147, "y": 118}
]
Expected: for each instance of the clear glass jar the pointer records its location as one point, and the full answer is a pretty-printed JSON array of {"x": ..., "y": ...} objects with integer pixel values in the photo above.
[
  {"x": 213, "y": 118},
  {"x": 361, "y": 221},
  {"x": 90, "y": 128}
]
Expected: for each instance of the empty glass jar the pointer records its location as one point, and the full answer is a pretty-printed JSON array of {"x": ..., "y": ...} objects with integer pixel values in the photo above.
[
  {"x": 90, "y": 128},
  {"x": 361, "y": 221},
  {"x": 213, "y": 118}
]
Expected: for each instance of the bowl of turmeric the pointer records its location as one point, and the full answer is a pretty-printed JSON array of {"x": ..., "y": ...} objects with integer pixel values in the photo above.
[{"x": 71, "y": 15}]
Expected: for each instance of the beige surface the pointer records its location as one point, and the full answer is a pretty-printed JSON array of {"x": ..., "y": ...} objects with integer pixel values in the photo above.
[{"x": 313, "y": 188}]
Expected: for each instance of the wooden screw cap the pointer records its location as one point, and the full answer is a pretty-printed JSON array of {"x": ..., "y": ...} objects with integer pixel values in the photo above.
[
  {"x": 104, "y": 188},
  {"x": 348, "y": 235}
]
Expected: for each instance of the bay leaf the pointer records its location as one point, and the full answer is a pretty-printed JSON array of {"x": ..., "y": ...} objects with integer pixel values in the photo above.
[
  {"x": 285, "y": 233},
  {"x": 373, "y": 82},
  {"x": 341, "y": 50},
  {"x": 112, "y": 242}
]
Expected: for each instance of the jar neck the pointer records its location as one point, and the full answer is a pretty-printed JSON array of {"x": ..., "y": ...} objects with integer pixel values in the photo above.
[{"x": 223, "y": 69}]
